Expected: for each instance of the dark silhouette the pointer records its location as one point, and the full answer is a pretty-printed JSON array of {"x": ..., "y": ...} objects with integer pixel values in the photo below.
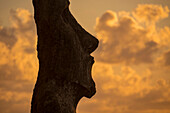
[{"x": 65, "y": 63}]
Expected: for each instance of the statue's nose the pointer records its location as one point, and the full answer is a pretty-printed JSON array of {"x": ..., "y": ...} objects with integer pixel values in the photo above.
[{"x": 90, "y": 43}]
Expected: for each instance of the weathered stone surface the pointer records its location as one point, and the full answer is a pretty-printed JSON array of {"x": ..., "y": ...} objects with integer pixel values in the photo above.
[{"x": 64, "y": 49}]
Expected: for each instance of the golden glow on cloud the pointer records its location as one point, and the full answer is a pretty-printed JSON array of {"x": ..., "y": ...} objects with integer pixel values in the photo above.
[
  {"x": 20, "y": 17},
  {"x": 128, "y": 40},
  {"x": 127, "y": 83},
  {"x": 18, "y": 62},
  {"x": 131, "y": 70},
  {"x": 150, "y": 13}
]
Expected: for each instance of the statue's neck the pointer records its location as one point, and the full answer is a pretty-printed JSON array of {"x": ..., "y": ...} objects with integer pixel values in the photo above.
[
  {"x": 54, "y": 98},
  {"x": 69, "y": 96}
]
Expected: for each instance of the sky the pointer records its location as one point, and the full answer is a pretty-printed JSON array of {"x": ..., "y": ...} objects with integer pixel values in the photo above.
[{"x": 132, "y": 62}]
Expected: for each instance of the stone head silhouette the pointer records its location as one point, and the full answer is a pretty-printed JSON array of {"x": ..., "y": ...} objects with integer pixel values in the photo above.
[{"x": 65, "y": 63}]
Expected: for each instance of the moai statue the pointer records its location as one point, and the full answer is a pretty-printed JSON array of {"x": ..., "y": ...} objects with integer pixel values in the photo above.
[{"x": 65, "y": 63}]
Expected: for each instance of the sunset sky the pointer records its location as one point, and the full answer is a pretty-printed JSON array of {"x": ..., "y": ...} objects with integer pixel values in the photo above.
[{"x": 132, "y": 68}]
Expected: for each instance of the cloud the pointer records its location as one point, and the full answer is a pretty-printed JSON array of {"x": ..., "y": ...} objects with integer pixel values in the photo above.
[
  {"x": 124, "y": 39},
  {"x": 122, "y": 86},
  {"x": 126, "y": 92},
  {"x": 132, "y": 63},
  {"x": 167, "y": 58},
  {"x": 9, "y": 39},
  {"x": 164, "y": 60},
  {"x": 18, "y": 62},
  {"x": 22, "y": 53},
  {"x": 150, "y": 13}
]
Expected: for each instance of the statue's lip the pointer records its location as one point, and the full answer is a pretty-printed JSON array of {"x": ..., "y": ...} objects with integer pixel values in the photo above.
[{"x": 92, "y": 59}]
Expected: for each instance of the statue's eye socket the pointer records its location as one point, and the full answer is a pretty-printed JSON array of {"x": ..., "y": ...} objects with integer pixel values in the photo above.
[{"x": 67, "y": 4}]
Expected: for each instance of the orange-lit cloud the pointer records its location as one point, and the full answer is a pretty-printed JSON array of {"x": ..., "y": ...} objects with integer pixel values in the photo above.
[
  {"x": 131, "y": 70},
  {"x": 150, "y": 13},
  {"x": 167, "y": 58},
  {"x": 127, "y": 92},
  {"x": 18, "y": 62},
  {"x": 126, "y": 40}
]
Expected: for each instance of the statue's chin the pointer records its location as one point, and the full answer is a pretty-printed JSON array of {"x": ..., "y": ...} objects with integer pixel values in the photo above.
[{"x": 90, "y": 91}]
